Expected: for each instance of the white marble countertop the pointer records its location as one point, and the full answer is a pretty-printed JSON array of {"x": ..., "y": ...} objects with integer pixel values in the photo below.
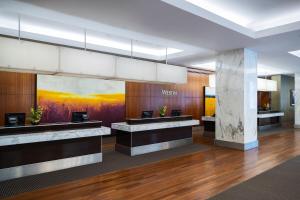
[
  {"x": 7, "y": 140},
  {"x": 262, "y": 115},
  {"x": 123, "y": 126},
  {"x": 268, "y": 115},
  {"x": 208, "y": 118}
]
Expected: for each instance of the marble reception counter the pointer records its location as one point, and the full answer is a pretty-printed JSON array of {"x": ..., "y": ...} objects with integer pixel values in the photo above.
[
  {"x": 269, "y": 115},
  {"x": 269, "y": 119},
  {"x": 149, "y": 137},
  {"x": 45, "y": 151},
  {"x": 266, "y": 119},
  {"x": 209, "y": 123}
]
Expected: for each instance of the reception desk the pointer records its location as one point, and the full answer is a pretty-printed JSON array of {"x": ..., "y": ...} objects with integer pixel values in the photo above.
[
  {"x": 265, "y": 120},
  {"x": 140, "y": 136},
  {"x": 268, "y": 119},
  {"x": 29, "y": 150}
]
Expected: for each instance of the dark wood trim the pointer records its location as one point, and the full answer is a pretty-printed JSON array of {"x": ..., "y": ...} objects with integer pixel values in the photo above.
[{"x": 141, "y": 138}]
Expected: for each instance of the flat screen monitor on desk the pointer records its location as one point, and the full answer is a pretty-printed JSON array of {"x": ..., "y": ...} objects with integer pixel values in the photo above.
[
  {"x": 147, "y": 114},
  {"x": 79, "y": 117},
  {"x": 15, "y": 119},
  {"x": 175, "y": 113}
]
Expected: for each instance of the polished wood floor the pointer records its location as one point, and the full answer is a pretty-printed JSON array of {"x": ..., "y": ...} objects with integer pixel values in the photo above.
[{"x": 197, "y": 176}]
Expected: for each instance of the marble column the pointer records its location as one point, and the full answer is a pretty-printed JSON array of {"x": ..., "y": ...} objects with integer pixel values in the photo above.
[
  {"x": 297, "y": 100},
  {"x": 236, "y": 92}
]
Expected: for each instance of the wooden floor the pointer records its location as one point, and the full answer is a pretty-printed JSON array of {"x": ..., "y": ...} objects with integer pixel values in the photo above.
[{"x": 197, "y": 176}]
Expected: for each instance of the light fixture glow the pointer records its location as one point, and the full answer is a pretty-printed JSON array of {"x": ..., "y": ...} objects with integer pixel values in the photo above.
[
  {"x": 211, "y": 66},
  {"x": 295, "y": 53},
  {"x": 222, "y": 12},
  {"x": 264, "y": 70},
  {"x": 47, "y": 31},
  {"x": 108, "y": 43},
  {"x": 8, "y": 22},
  {"x": 126, "y": 46}
]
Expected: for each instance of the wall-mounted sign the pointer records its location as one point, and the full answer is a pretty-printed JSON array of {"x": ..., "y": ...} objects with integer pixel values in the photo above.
[{"x": 169, "y": 92}]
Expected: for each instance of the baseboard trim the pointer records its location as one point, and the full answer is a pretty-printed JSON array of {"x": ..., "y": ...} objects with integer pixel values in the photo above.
[
  {"x": 235, "y": 145},
  {"x": 296, "y": 125}
]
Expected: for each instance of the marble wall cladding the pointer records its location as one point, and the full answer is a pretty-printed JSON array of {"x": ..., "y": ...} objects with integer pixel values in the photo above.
[
  {"x": 297, "y": 100},
  {"x": 236, "y": 91}
]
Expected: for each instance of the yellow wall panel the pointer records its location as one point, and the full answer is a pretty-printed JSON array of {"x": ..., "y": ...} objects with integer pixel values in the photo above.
[{"x": 210, "y": 106}]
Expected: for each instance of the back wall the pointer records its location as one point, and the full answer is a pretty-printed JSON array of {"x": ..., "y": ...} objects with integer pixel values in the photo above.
[
  {"x": 18, "y": 94},
  {"x": 147, "y": 96}
]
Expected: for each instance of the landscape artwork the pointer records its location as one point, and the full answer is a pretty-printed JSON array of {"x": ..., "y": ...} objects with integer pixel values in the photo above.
[{"x": 59, "y": 96}]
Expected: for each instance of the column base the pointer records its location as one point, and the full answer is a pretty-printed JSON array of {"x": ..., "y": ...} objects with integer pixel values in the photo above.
[
  {"x": 296, "y": 125},
  {"x": 235, "y": 145}
]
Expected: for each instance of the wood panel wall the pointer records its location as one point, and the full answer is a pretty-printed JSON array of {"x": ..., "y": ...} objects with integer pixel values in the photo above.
[
  {"x": 147, "y": 96},
  {"x": 263, "y": 98},
  {"x": 17, "y": 93}
]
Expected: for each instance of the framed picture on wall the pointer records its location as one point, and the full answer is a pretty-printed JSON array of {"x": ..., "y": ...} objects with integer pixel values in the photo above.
[{"x": 292, "y": 97}]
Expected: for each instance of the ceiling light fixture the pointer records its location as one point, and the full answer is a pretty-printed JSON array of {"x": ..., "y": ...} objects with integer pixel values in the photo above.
[{"x": 211, "y": 66}]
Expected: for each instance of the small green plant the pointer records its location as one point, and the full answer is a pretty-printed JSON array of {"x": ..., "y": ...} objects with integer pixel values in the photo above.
[
  {"x": 36, "y": 115},
  {"x": 162, "y": 111}
]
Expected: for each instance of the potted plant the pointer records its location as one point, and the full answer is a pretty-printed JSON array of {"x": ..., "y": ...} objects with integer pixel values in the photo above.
[
  {"x": 36, "y": 115},
  {"x": 162, "y": 111}
]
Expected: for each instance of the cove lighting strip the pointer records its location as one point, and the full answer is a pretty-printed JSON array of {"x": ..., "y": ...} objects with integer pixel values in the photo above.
[
  {"x": 9, "y": 22},
  {"x": 295, "y": 53},
  {"x": 211, "y": 66},
  {"x": 221, "y": 11}
]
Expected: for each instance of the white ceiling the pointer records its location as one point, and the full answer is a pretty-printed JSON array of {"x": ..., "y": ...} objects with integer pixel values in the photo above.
[
  {"x": 179, "y": 24},
  {"x": 254, "y": 14}
]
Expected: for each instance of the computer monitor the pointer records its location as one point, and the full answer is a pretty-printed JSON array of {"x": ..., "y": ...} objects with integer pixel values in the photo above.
[
  {"x": 175, "y": 113},
  {"x": 15, "y": 119},
  {"x": 147, "y": 114},
  {"x": 79, "y": 117}
]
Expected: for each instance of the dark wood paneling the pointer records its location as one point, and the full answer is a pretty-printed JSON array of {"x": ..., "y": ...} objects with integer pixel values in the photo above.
[
  {"x": 160, "y": 135},
  {"x": 147, "y": 96},
  {"x": 22, "y": 154},
  {"x": 263, "y": 98},
  {"x": 141, "y": 138},
  {"x": 17, "y": 93}
]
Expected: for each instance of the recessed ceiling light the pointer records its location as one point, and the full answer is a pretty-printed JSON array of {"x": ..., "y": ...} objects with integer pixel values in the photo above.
[
  {"x": 207, "y": 66},
  {"x": 295, "y": 53}
]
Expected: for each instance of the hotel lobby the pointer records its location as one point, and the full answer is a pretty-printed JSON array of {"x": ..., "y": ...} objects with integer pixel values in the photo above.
[{"x": 137, "y": 99}]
